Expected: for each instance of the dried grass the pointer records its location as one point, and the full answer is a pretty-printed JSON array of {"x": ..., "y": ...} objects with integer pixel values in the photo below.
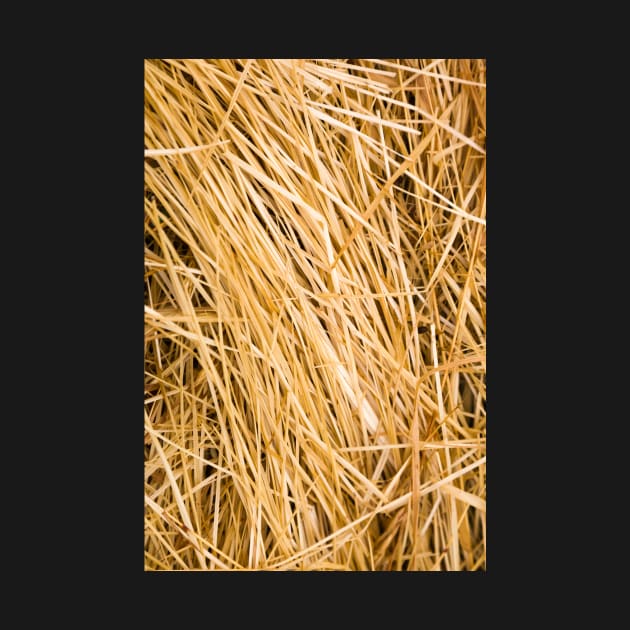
[{"x": 315, "y": 314}]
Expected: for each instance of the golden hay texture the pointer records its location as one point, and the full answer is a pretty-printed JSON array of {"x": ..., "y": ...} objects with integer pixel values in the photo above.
[{"x": 315, "y": 315}]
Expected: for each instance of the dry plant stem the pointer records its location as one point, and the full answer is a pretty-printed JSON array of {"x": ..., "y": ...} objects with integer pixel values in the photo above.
[{"x": 315, "y": 314}]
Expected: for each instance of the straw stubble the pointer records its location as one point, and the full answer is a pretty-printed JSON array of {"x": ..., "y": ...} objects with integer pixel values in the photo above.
[{"x": 315, "y": 314}]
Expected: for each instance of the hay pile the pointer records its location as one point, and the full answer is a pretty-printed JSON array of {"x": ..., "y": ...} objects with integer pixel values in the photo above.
[{"x": 315, "y": 314}]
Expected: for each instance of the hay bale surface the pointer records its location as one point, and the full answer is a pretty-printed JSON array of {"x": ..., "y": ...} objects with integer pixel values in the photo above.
[{"x": 315, "y": 314}]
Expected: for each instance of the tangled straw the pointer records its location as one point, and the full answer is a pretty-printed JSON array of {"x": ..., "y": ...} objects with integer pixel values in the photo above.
[{"x": 315, "y": 314}]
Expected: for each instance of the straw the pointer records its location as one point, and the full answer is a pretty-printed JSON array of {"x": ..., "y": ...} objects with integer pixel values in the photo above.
[{"x": 315, "y": 264}]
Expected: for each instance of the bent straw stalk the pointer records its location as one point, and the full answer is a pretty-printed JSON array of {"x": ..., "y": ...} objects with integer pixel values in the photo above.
[{"x": 315, "y": 394}]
